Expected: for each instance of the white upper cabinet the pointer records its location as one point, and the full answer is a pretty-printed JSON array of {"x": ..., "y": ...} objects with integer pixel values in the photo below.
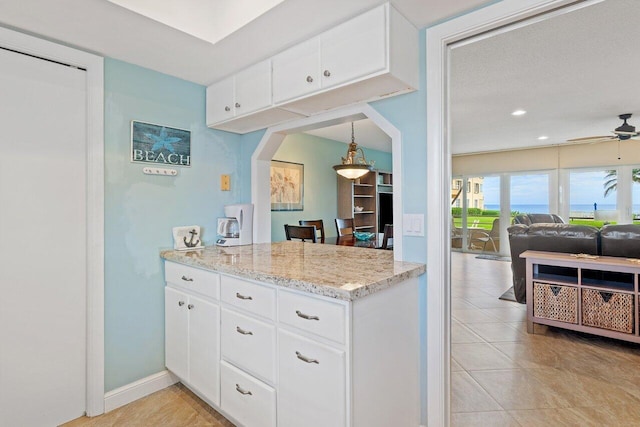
[
  {"x": 241, "y": 94},
  {"x": 354, "y": 49},
  {"x": 296, "y": 71},
  {"x": 221, "y": 101},
  {"x": 253, "y": 88},
  {"x": 372, "y": 56}
]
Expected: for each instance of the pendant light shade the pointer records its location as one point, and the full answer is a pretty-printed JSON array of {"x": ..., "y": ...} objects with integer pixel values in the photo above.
[{"x": 354, "y": 166}]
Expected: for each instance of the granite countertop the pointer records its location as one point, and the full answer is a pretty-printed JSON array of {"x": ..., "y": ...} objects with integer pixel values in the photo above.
[{"x": 341, "y": 272}]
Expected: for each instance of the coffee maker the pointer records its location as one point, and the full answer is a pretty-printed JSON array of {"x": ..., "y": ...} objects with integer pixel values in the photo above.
[{"x": 236, "y": 228}]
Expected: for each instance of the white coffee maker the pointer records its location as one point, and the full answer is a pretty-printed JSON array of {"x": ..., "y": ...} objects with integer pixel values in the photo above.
[{"x": 236, "y": 228}]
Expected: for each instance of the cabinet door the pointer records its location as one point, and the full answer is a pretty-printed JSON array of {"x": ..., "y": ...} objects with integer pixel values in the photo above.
[
  {"x": 176, "y": 332},
  {"x": 204, "y": 348},
  {"x": 220, "y": 101},
  {"x": 253, "y": 88},
  {"x": 355, "y": 48},
  {"x": 312, "y": 385},
  {"x": 296, "y": 71}
]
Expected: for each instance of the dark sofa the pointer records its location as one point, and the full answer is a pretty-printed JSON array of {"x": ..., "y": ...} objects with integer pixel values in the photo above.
[
  {"x": 612, "y": 240},
  {"x": 536, "y": 218}
]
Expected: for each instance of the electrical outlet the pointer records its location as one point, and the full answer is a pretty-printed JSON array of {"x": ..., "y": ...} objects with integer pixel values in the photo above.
[{"x": 225, "y": 182}]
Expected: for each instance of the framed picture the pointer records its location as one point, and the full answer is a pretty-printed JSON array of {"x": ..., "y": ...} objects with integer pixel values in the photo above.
[
  {"x": 160, "y": 145},
  {"x": 287, "y": 186}
]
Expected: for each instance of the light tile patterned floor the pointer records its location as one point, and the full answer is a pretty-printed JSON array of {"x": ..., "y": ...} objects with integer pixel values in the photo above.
[
  {"x": 175, "y": 406},
  {"x": 502, "y": 376}
]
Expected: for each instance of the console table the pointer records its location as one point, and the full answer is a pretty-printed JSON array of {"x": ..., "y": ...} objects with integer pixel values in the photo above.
[{"x": 586, "y": 293}]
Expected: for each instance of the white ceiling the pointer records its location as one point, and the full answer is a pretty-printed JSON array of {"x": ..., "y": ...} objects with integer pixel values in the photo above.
[
  {"x": 108, "y": 29},
  {"x": 573, "y": 74},
  {"x": 366, "y": 133}
]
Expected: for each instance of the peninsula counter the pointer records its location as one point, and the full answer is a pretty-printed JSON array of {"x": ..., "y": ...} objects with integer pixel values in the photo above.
[{"x": 290, "y": 334}]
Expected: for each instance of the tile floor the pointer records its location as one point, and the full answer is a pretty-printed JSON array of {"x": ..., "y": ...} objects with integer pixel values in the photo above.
[
  {"x": 502, "y": 376},
  {"x": 175, "y": 406}
]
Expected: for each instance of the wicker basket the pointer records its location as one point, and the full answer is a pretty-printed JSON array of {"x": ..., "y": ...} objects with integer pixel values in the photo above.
[
  {"x": 608, "y": 310},
  {"x": 555, "y": 302}
]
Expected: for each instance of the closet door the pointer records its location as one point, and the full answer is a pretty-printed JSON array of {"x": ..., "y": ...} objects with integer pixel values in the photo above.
[{"x": 43, "y": 246}]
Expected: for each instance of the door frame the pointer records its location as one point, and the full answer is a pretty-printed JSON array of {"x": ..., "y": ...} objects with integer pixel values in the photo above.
[
  {"x": 93, "y": 65},
  {"x": 438, "y": 39}
]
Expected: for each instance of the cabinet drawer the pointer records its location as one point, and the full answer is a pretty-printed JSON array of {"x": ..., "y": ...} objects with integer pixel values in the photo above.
[
  {"x": 246, "y": 399},
  {"x": 323, "y": 318},
  {"x": 257, "y": 299},
  {"x": 249, "y": 344},
  {"x": 312, "y": 383},
  {"x": 203, "y": 282}
]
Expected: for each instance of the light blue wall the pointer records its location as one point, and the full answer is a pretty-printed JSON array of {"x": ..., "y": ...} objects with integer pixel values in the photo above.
[
  {"x": 140, "y": 210},
  {"x": 318, "y": 155}
]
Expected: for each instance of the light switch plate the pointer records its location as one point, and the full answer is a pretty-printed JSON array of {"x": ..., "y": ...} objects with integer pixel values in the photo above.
[
  {"x": 413, "y": 224},
  {"x": 225, "y": 182}
]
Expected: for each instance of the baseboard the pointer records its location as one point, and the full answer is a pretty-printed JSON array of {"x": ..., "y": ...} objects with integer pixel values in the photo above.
[{"x": 138, "y": 389}]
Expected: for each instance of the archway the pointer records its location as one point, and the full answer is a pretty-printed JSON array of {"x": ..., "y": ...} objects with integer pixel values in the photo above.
[{"x": 273, "y": 137}]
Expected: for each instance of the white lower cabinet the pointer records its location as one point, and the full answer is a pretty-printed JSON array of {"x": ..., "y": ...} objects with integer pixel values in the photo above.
[
  {"x": 249, "y": 344},
  {"x": 249, "y": 401},
  {"x": 312, "y": 383},
  {"x": 266, "y": 356},
  {"x": 192, "y": 343}
]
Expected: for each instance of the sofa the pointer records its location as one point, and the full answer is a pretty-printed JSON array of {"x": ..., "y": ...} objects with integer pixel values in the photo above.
[
  {"x": 537, "y": 218},
  {"x": 612, "y": 240}
]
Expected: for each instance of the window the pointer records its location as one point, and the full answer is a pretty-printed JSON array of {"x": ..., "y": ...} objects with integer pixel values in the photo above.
[
  {"x": 476, "y": 188},
  {"x": 592, "y": 196},
  {"x": 530, "y": 193}
]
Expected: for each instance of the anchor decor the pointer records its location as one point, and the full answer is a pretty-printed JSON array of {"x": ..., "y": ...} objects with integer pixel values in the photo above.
[
  {"x": 191, "y": 243},
  {"x": 187, "y": 238}
]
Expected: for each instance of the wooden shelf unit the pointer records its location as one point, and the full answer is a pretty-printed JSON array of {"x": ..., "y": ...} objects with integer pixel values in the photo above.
[
  {"x": 601, "y": 288},
  {"x": 365, "y": 192}
]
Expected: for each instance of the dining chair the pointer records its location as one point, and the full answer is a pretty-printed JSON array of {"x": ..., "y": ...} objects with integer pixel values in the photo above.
[
  {"x": 302, "y": 232},
  {"x": 344, "y": 226},
  {"x": 318, "y": 223},
  {"x": 388, "y": 234}
]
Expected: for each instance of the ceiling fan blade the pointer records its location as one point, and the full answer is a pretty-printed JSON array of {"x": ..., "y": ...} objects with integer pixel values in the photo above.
[{"x": 593, "y": 139}]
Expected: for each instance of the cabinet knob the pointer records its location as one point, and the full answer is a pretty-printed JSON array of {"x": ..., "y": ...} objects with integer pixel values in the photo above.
[
  {"x": 306, "y": 316},
  {"x": 237, "y": 105},
  {"x": 309, "y": 79},
  {"x": 242, "y": 331},
  {"x": 306, "y": 359},
  {"x": 190, "y": 306},
  {"x": 227, "y": 108},
  {"x": 327, "y": 73},
  {"x": 187, "y": 279},
  {"x": 180, "y": 303},
  {"x": 243, "y": 391},
  {"x": 240, "y": 296}
]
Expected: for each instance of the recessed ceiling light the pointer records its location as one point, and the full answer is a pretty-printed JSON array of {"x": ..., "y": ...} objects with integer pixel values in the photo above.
[
  {"x": 543, "y": 137},
  {"x": 519, "y": 113}
]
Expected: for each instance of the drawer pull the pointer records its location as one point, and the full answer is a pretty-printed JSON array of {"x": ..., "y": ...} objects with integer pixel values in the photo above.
[
  {"x": 227, "y": 108},
  {"x": 306, "y": 316},
  {"x": 187, "y": 279},
  {"x": 242, "y": 331},
  {"x": 243, "y": 391},
  {"x": 240, "y": 296},
  {"x": 327, "y": 73},
  {"x": 180, "y": 303},
  {"x": 306, "y": 359},
  {"x": 309, "y": 79},
  {"x": 190, "y": 306}
]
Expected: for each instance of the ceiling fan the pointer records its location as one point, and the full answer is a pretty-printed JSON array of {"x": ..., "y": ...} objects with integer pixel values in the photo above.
[{"x": 621, "y": 133}]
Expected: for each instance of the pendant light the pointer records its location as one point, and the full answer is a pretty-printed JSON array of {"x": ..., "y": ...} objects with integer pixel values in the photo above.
[{"x": 354, "y": 166}]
